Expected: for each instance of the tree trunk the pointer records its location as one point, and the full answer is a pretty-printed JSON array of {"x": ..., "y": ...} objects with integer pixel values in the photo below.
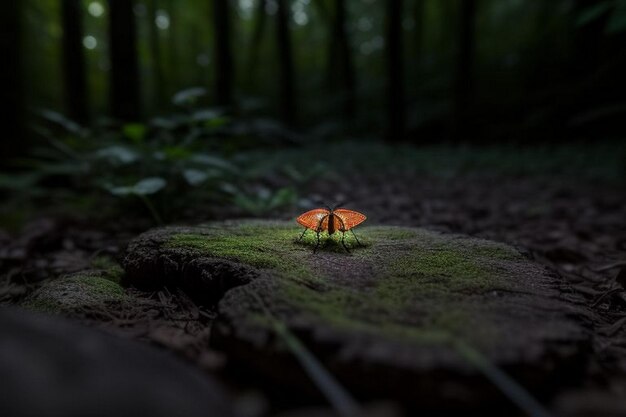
[
  {"x": 418, "y": 32},
  {"x": 345, "y": 62},
  {"x": 13, "y": 142},
  {"x": 285, "y": 60},
  {"x": 464, "y": 68},
  {"x": 395, "y": 73},
  {"x": 223, "y": 53},
  {"x": 255, "y": 44},
  {"x": 174, "y": 56},
  {"x": 157, "y": 61},
  {"x": 125, "y": 102},
  {"x": 74, "y": 69}
]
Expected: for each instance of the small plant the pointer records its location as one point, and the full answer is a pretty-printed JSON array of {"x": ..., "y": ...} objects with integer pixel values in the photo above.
[{"x": 171, "y": 163}]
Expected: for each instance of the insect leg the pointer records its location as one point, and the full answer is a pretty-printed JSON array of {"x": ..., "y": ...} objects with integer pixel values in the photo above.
[
  {"x": 303, "y": 232},
  {"x": 318, "y": 242},
  {"x": 357, "y": 239},
  {"x": 343, "y": 242},
  {"x": 318, "y": 231}
]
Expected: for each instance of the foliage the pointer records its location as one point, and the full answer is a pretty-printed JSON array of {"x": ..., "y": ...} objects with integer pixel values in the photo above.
[
  {"x": 515, "y": 40},
  {"x": 170, "y": 164},
  {"x": 615, "y": 9}
]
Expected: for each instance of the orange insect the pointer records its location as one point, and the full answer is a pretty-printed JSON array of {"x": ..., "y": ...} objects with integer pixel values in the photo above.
[{"x": 332, "y": 220}]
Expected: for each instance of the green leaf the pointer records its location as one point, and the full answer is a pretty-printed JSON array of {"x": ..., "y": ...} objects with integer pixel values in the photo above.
[
  {"x": 120, "y": 191},
  {"x": 195, "y": 177},
  {"x": 146, "y": 186},
  {"x": 149, "y": 186},
  {"x": 118, "y": 155},
  {"x": 177, "y": 152},
  {"x": 210, "y": 118},
  {"x": 189, "y": 96},
  {"x": 593, "y": 12},
  {"x": 617, "y": 22},
  {"x": 214, "y": 161},
  {"x": 59, "y": 119},
  {"x": 282, "y": 197},
  {"x": 18, "y": 181},
  {"x": 217, "y": 122},
  {"x": 136, "y": 132},
  {"x": 203, "y": 115}
]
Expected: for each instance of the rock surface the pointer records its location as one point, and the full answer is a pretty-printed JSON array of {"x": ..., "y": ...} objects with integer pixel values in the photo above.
[
  {"x": 413, "y": 314},
  {"x": 52, "y": 367},
  {"x": 75, "y": 293}
]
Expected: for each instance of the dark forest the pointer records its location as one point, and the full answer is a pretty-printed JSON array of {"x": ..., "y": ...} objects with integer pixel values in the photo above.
[{"x": 300, "y": 208}]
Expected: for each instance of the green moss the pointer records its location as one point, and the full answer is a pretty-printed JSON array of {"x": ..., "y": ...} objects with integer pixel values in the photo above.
[
  {"x": 386, "y": 233},
  {"x": 258, "y": 245},
  {"x": 420, "y": 282},
  {"x": 108, "y": 268},
  {"x": 73, "y": 293}
]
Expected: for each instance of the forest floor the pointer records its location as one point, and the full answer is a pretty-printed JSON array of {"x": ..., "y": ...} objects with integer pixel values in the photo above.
[{"x": 573, "y": 225}]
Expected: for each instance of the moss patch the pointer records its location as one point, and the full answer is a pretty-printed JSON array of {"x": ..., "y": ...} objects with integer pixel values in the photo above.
[
  {"x": 419, "y": 281},
  {"x": 75, "y": 293},
  {"x": 274, "y": 246},
  {"x": 108, "y": 268}
]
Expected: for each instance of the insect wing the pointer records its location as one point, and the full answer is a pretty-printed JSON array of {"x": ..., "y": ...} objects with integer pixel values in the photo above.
[
  {"x": 349, "y": 218},
  {"x": 313, "y": 219}
]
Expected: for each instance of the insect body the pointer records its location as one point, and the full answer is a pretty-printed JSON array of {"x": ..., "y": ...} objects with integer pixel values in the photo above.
[{"x": 332, "y": 220}]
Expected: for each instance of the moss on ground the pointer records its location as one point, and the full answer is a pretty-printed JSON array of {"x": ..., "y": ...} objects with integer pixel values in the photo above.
[
  {"x": 108, "y": 268},
  {"x": 74, "y": 293},
  {"x": 413, "y": 269}
]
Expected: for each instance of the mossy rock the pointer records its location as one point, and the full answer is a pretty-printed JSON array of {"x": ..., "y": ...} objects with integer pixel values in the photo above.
[
  {"x": 75, "y": 293},
  {"x": 410, "y": 313}
]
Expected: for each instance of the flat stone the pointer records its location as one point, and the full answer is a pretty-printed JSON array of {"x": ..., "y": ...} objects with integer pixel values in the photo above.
[
  {"x": 414, "y": 315},
  {"x": 50, "y": 367}
]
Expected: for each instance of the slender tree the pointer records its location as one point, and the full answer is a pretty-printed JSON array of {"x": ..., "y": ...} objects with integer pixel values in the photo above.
[
  {"x": 174, "y": 56},
  {"x": 285, "y": 60},
  {"x": 74, "y": 69},
  {"x": 341, "y": 62},
  {"x": 418, "y": 31},
  {"x": 155, "y": 51},
  {"x": 13, "y": 141},
  {"x": 125, "y": 102},
  {"x": 463, "y": 83},
  {"x": 395, "y": 72},
  {"x": 223, "y": 53},
  {"x": 257, "y": 36}
]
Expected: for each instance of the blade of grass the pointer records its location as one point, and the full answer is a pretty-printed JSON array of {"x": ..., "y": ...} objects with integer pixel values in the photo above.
[
  {"x": 151, "y": 208},
  {"x": 336, "y": 394},
  {"x": 507, "y": 385}
]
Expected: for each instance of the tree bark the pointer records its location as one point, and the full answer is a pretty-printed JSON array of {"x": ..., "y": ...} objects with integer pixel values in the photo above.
[
  {"x": 285, "y": 60},
  {"x": 74, "y": 68},
  {"x": 463, "y": 84},
  {"x": 345, "y": 63},
  {"x": 125, "y": 101},
  {"x": 13, "y": 142},
  {"x": 395, "y": 73},
  {"x": 223, "y": 53}
]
